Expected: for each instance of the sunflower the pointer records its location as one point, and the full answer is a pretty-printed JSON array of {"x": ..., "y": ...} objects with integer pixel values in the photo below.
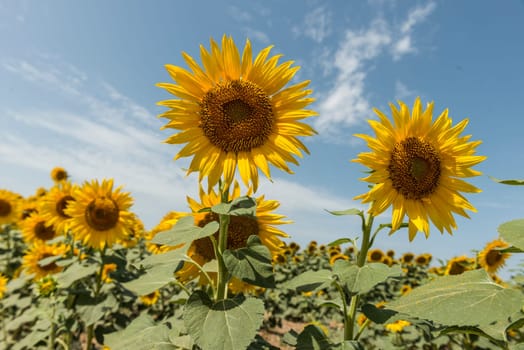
[
  {"x": 405, "y": 289},
  {"x": 107, "y": 270},
  {"x": 40, "y": 251},
  {"x": 235, "y": 112},
  {"x": 407, "y": 258},
  {"x": 135, "y": 233},
  {"x": 8, "y": 207},
  {"x": 458, "y": 265},
  {"x": 416, "y": 165},
  {"x": 423, "y": 259},
  {"x": 54, "y": 205},
  {"x": 99, "y": 215},
  {"x": 490, "y": 258},
  {"x": 37, "y": 228},
  {"x": 59, "y": 174},
  {"x": 3, "y": 284},
  {"x": 239, "y": 229},
  {"x": 397, "y": 326},
  {"x": 151, "y": 298},
  {"x": 375, "y": 255},
  {"x": 338, "y": 256}
]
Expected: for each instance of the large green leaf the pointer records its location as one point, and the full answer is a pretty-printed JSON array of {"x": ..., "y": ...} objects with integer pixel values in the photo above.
[
  {"x": 352, "y": 211},
  {"x": 184, "y": 232},
  {"x": 74, "y": 273},
  {"x": 513, "y": 233},
  {"x": 172, "y": 257},
  {"x": 153, "y": 279},
  {"x": 141, "y": 334},
  {"x": 224, "y": 325},
  {"x": 469, "y": 299},
  {"x": 92, "y": 310},
  {"x": 251, "y": 264},
  {"x": 360, "y": 280},
  {"x": 309, "y": 281},
  {"x": 239, "y": 206}
]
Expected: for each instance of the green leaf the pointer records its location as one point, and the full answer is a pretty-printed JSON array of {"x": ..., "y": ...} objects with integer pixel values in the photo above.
[
  {"x": 237, "y": 207},
  {"x": 469, "y": 299},
  {"x": 141, "y": 334},
  {"x": 513, "y": 233},
  {"x": 74, "y": 273},
  {"x": 360, "y": 280},
  {"x": 154, "y": 278},
  {"x": 508, "y": 182},
  {"x": 378, "y": 315},
  {"x": 91, "y": 312},
  {"x": 184, "y": 232},
  {"x": 251, "y": 264},
  {"x": 340, "y": 241},
  {"x": 224, "y": 325},
  {"x": 312, "y": 338},
  {"x": 172, "y": 257},
  {"x": 309, "y": 281},
  {"x": 352, "y": 211}
]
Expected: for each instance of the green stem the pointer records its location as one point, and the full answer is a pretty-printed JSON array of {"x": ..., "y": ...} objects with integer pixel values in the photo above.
[
  {"x": 98, "y": 286},
  {"x": 361, "y": 261},
  {"x": 345, "y": 309},
  {"x": 223, "y": 275}
]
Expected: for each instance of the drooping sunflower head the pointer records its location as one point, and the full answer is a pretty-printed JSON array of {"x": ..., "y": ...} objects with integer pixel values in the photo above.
[
  {"x": 338, "y": 256},
  {"x": 37, "y": 228},
  {"x": 416, "y": 167},
  {"x": 239, "y": 229},
  {"x": 9, "y": 207},
  {"x": 491, "y": 258},
  {"x": 151, "y": 298},
  {"x": 459, "y": 265},
  {"x": 54, "y": 205},
  {"x": 59, "y": 174},
  {"x": 99, "y": 214},
  {"x": 235, "y": 112},
  {"x": 38, "y": 252}
]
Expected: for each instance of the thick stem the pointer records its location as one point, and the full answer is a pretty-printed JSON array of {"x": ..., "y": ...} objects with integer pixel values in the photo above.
[
  {"x": 223, "y": 275},
  {"x": 361, "y": 261}
]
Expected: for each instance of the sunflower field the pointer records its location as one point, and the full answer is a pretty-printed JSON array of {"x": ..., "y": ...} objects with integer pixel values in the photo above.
[{"x": 78, "y": 269}]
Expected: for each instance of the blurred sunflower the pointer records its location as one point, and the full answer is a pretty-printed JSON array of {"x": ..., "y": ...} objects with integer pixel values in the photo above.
[
  {"x": 405, "y": 289},
  {"x": 387, "y": 260},
  {"x": 239, "y": 229},
  {"x": 375, "y": 255},
  {"x": 151, "y": 298},
  {"x": 337, "y": 256},
  {"x": 423, "y": 259},
  {"x": 458, "y": 265},
  {"x": 40, "y": 251},
  {"x": 107, "y": 270},
  {"x": 9, "y": 207},
  {"x": 54, "y": 205},
  {"x": 490, "y": 258},
  {"x": 135, "y": 233},
  {"x": 407, "y": 258},
  {"x": 27, "y": 206},
  {"x": 397, "y": 326},
  {"x": 3, "y": 284},
  {"x": 99, "y": 213},
  {"x": 37, "y": 228},
  {"x": 59, "y": 174},
  {"x": 235, "y": 112},
  {"x": 416, "y": 165}
]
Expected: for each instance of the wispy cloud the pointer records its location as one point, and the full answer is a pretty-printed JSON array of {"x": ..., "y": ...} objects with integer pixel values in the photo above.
[
  {"x": 346, "y": 102},
  {"x": 316, "y": 25}
]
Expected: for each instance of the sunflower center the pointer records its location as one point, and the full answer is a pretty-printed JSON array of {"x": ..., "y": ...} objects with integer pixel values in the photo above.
[
  {"x": 60, "y": 175},
  {"x": 493, "y": 257},
  {"x": 5, "y": 208},
  {"x": 102, "y": 214},
  {"x": 414, "y": 168},
  {"x": 44, "y": 232},
  {"x": 237, "y": 116},
  {"x": 61, "y": 205},
  {"x": 238, "y": 231},
  {"x": 376, "y": 256}
]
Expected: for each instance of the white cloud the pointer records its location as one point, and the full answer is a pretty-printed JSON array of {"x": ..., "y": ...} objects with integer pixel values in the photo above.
[
  {"x": 239, "y": 14},
  {"x": 402, "y": 92},
  {"x": 316, "y": 26}
]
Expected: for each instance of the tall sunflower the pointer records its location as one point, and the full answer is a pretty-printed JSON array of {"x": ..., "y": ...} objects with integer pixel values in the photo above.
[
  {"x": 235, "y": 112},
  {"x": 490, "y": 258},
  {"x": 9, "y": 207},
  {"x": 239, "y": 229},
  {"x": 417, "y": 165},
  {"x": 99, "y": 214},
  {"x": 54, "y": 205},
  {"x": 40, "y": 251}
]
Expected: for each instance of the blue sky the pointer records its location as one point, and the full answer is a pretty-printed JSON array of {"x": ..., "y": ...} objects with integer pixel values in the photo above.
[{"x": 77, "y": 89}]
